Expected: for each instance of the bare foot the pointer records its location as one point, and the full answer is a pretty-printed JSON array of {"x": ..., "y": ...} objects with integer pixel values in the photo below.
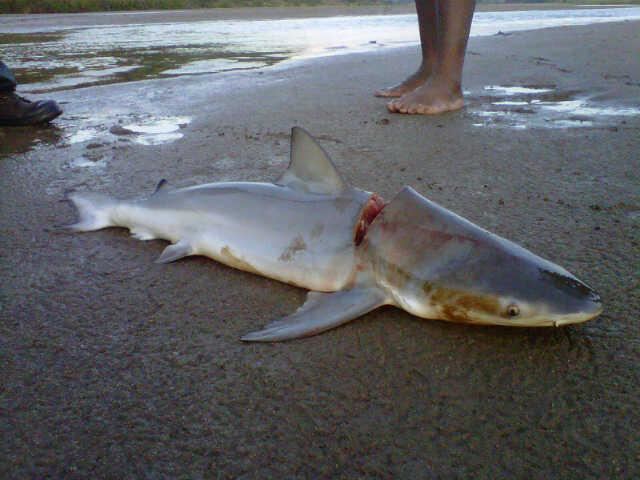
[
  {"x": 409, "y": 84},
  {"x": 431, "y": 98}
]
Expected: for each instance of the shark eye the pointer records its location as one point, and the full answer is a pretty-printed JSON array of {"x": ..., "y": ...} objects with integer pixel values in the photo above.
[{"x": 513, "y": 310}]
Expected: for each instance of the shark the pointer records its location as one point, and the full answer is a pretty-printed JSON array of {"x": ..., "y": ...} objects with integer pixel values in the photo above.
[{"x": 350, "y": 248}]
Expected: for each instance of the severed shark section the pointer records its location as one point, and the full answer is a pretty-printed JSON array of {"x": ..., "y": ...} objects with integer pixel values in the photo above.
[{"x": 354, "y": 252}]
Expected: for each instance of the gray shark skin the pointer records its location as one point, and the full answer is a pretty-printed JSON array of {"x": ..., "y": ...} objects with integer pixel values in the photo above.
[{"x": 354, "y": 252}]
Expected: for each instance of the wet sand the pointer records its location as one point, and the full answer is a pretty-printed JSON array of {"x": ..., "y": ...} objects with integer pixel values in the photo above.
[{"x": 116, "y": 367}]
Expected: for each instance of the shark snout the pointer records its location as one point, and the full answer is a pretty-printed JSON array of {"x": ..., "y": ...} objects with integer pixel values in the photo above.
[
  {"x": 568, "y": 299},
  {"x": 595, "y": 305},
  {"x": 589, "y": 308}
]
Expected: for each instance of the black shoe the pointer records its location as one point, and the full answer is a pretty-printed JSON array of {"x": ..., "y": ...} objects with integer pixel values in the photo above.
[{"x": 17, "y": 111}]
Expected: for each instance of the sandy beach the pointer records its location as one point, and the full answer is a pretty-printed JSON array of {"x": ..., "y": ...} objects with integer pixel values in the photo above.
[{"x": 117, "y": 367}]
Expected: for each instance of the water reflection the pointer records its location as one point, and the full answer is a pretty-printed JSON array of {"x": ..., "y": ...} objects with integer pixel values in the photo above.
[{"x": 22, "y": 139}]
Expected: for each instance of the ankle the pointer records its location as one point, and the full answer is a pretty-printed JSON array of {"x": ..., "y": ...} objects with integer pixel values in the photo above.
[
  {"x": 446, "y": 82},
  {"x": 425, "y": 69}
]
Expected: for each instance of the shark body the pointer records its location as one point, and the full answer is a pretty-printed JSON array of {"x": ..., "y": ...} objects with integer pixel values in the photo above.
[{"x": 351, "y": 249}]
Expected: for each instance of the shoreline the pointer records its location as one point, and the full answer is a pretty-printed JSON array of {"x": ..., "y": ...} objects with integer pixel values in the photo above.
[
  {"x": 117, "y": 367},
  {"x": 219, "y": 46}
]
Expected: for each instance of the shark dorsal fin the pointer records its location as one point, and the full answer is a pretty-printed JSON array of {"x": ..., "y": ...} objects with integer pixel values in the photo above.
[
  {"x": 162, "y": 185},
  {"x": 310, "y": 168}
]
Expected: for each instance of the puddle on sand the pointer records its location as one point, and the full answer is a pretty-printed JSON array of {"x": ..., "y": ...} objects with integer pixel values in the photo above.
[
  {"x": 516, "y": 90},
  {"x": 510, "y": 103},
  {"x": 156, "y": 131},
  {"x": 572, "y": 123},
  {"x": 522, "y": 107},
  {"x": 82, "y": 135},
  {"x": 86, "y": 162},
  {"x": 95, "y": 136},
  {"x": 160, "y": 126},
  {"x": 142, "y": 130},
  {"x": 158, "y": 139},
  {"x": 583, "y": 107}
]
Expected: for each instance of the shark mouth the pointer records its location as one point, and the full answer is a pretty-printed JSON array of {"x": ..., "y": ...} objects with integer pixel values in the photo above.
[{"x": 369, "y": 212}]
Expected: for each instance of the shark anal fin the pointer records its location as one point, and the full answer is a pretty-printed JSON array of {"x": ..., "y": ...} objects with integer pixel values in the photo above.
[
  {"x": 310, "y": 168},
  {"x": 321, "y": 311},
  {"x": 175, "y": 252}
]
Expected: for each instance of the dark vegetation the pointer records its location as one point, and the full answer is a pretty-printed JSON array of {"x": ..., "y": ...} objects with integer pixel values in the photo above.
[{"x": 67, "y": 6}]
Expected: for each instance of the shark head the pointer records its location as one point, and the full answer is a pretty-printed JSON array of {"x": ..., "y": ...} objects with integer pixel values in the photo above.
[{"x": 435, "y": 264}]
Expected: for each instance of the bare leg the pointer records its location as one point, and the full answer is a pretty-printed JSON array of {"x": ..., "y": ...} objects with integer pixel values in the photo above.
[
  {"x": 427, "y": 23},
  {"x": 442, "y": 92}
]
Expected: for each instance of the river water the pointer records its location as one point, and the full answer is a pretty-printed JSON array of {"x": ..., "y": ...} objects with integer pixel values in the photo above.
[{"x": 60, "y": 58}]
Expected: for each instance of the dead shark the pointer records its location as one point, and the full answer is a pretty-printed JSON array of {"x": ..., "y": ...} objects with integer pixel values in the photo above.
[{"x": 351, "y": 249}]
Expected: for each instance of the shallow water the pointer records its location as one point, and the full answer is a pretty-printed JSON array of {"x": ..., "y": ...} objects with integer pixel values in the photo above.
[{"x": 73, "y": 57}]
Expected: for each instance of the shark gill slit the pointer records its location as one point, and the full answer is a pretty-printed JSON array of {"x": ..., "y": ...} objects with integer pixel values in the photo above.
[{"x": 369, "y": 212}]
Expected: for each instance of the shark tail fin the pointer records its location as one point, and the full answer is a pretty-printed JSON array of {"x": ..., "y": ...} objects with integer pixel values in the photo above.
[{"x": 94, "y": 211}]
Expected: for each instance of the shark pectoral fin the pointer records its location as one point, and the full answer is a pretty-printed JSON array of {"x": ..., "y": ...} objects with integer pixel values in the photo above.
[
  {"x": 310, "y": 168},
  {"x": 321, "y": 311},
  {"x": 175, "y": 252}
]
